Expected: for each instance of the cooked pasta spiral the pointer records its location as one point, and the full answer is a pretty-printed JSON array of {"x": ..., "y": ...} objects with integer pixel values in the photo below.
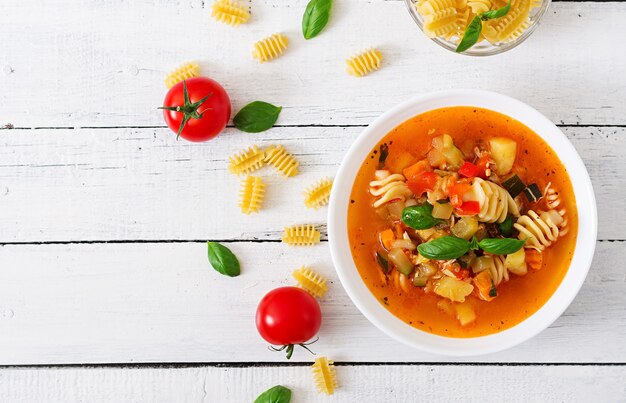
[
  {"x": 400, "y": 281},
  {"x": 495, "y": 202},
  {"x": 310, "y": 281},
  {"x": 278, "y": 157},
  {"x": 388, "y": 187},
  {"x": 270, "y": 47},
  {"x": 318, "y": 194},
  {"x": 498, "y": 270},
  {"x": 229, "y": 12},
  {"x": 251, "y": 194},
  {"x": 364, "y": 63},
  {"x": 324, "y": 375},
  {"x": 539, "y": 230},
  {"x": 301, "y": 235},
  {"x": 553, "y": 201},
  {"x": 246, "y": 161},
  {"x": 184, "y": 72}
]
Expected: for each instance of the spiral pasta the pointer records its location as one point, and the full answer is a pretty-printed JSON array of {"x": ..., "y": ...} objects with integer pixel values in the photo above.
[
  {"x": 479, "y": 6},
  {"x": 553, "y": 201},
  {"x": 310, "y": 281},
  {"x": 247, "y": 161},
  {"x": 229, "y": 12},
  {"x": 278, "y": 157},
  {"x": 183, "y": 72},
  {"x": 301, "y": 235},
  {"x": 495, "y": 202},
  {"x": 251, "y": 194},
  {"x": 498, "y": 270},
  {"x": 324, "y": 375},
  {"x": 270, "y": 48},
  {"x": 539, "y": 230},
  {"x": 364, "y": 63},
  {"x": 509, "y": 27},
  {"x": 400, "y": 281},
  {"x": 318, "y": 194},
  {"x": 388, "y": 187}
]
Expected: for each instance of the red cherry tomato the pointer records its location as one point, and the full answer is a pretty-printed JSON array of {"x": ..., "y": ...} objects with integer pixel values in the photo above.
[
  {"x": 288, "y": 316},
  {"x": 195, "y": 119},
  {"x": 422, "y": 182}
]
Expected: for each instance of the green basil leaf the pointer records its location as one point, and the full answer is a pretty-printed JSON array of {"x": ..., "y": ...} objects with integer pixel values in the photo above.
[
  {"x": 256, "y": 117},
  {"x": 501, "y": 246},
  {"x": 471, "y": 35},
  {"x": 419, "y": 217},
  {"x": 474, "y": 243},
  {"x": 506, "y": 227},
  {"x": 223, "y": 260},
  {"x": 277, "y": 394},
  {"x": 444, "y": 248},
  {"x": 501, "y": 12},
  {"x": 315, "y": 17}
]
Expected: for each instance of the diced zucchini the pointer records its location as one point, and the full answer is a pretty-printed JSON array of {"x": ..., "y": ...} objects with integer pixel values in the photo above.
[
  {"x": 533, "y": 193},
  {"x": 465, "y": 313},
  {"x": 453, "y": 289},
  {"x": 444, "y": 151},
  {"x": 465, "y": 261},
  {"x": 442, "y": 210},
  {"x": 420, "y": 281},
  {"x": 426, "y": 234},
  {"x": 516, "y": 262},
  {"x": 482, "y": 263},
  {"x": 381, "y": 258},
  {"x": 514, "y": 185},
  {"x": 427, "y": 269},
  {"x": 465, "y": 228},
  {"x": 401, "y": 261},
  {"x": 503, "y": 152}
]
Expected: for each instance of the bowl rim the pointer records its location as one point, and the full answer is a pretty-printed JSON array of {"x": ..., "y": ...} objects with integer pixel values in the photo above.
[{"x": 432, "y": 343}]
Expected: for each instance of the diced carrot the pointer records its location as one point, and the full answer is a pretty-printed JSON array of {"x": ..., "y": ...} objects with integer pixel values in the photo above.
[
  {"x": 386, "y": 238},
  {"x": 484, "y": 285},
  {"x": 415, "y": 169},
  {"x": 398, "y": 229},
  {"x": 534, "y": 259}
]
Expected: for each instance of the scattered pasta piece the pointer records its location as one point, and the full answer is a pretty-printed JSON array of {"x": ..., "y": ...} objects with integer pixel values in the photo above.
[
  {"x": 251, "y": 194},
  {"x": 247, "y": 161},
  {"x": 325, "y": 375},
  {"x": 270, "y": 48},
  {"x": 364, "y": 63},
  {"x": 229, "y": 12},
  {"x": 310, "y": 281},
  {"x": 184, "y": 72},
  {"x": 318, "y": 195},
  {"x": 278, "y": 157},
  {"x": 301, "y": 235}
]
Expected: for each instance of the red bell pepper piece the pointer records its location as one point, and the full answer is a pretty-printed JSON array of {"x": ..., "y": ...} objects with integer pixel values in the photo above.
[
  {"x": 468, "y": 208},
  {"x": 470, "y": 170}
]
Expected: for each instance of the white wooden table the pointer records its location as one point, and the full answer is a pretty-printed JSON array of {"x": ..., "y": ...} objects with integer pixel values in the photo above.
[{"x": 105, "y": 289}]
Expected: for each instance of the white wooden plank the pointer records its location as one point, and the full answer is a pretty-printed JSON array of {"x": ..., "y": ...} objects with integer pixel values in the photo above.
[
  {"x": 357, "y": 383},
  {"x": 126, "y": 184},
  {"x": 101, "y": 63},
  {"x": 142, "y": 302}
]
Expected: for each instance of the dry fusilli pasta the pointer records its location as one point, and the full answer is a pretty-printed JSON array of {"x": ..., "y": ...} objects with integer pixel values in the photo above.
[
  {"x": 184, "y": 72},
  {"x": 324, "y": 375},
  {"x": 301, "y": 235},
  {"x": 310, "y": 281},
  {"x": 229, "y": 12},
  {"x": 278, "y": 157},
  {"x": 270, "y": 47},
  {"x": 364, "y": 63},
  {"x": 247, "y": 161},
  {"x": 509, "y": 27},
  {"x": 388, "y": 187},
  {"x": 251, "y": 194},
  {"x": 318, "y": 194}
]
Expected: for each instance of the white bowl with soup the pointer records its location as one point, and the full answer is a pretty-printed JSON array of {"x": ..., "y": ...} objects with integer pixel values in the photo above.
[{"x": 454, "y": 222}]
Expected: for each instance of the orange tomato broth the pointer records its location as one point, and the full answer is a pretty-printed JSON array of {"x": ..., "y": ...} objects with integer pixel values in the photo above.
[{"x": 535, "y": 162}]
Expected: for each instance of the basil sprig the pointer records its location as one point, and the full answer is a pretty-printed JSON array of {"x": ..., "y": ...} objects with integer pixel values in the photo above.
[
  {"x": 223, "y": 260},
  {"x": 451, "y": 247},
  {"x": 472, "y": 33},
  {"x": 256, "y": 117},
  {"x": 315, "y": 17},
  {"x": 276, "y": 394},
  {"x": 419, "y": 217}
]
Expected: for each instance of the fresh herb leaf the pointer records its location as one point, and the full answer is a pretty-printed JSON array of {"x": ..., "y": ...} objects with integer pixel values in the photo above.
[
  {"x": 315, "y": 17},
  {"x": 384, "y": 153},
  {"x": 256, "y": 117},
  {"x": 444, "y": 248},
  {"x": 493, "y": 291},
  {"x": 223, "y": 260},
  {"x": 471, "y": 35},
  {"x": 501, "y": 246},
  {"x": 419, "y": 217},
  {"x": 506, "y": 226},
  {"x": 474, "y": 243},
  {"x": 382, "y": 261},
  {"x": 276, "y": 394},
  {"x": 491, "y": 14}
]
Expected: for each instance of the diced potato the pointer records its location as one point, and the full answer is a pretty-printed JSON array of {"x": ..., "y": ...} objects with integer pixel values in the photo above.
[
  {"x": 465, "y": 313},
  {"x": 465, "y": 228},
  {"x": 395, "y": 209},
  {"x": 426, "y": 234},
  {"x": 503, "y": 151},
  {"x": 427, "y": 269},
  {"x": 399, "y": 160},
  {"x": 445, "y": 152},
  {"x": 436, "y": 159},
  {"x": 516, "y": 262},
  {"x": 442, "y": 210},
  {"x": 453, "y": 289},
  {"x": 401, "y": 261}
]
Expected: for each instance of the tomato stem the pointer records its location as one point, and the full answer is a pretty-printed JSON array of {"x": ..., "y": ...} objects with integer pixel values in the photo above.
[
  {"x": 188, "y": 109},
  {"x": 289, "y": 348}
]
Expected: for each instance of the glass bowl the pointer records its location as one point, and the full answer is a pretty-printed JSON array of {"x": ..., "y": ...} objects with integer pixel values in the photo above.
[{"x": 484, "y": 48}]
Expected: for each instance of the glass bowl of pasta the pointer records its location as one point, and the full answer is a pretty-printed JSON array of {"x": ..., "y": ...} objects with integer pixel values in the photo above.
[
  {"x": 446, "y": 22},
  {"x": 454, "y": 222}
]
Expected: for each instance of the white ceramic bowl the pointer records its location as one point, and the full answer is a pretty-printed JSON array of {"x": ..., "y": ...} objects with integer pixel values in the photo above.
[{"x": 385, "y": 320}]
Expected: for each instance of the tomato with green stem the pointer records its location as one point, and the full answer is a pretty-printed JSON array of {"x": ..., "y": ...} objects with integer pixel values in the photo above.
[
  {"x": 197, "y": 109},
  {"x": 287, "y": 317}
]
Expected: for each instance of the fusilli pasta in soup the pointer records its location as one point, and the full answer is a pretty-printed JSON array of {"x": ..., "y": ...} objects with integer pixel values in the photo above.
[{"x": 462, "y": 221}]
